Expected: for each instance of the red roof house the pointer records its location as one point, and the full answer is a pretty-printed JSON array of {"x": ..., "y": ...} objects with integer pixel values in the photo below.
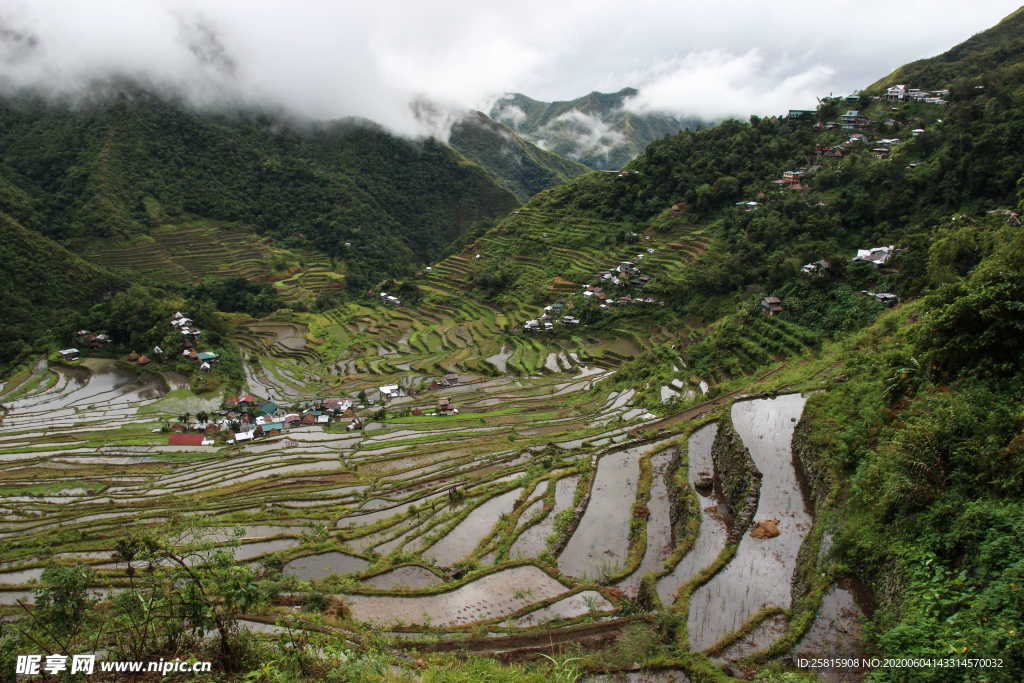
[{"x": 186, "y": 439}]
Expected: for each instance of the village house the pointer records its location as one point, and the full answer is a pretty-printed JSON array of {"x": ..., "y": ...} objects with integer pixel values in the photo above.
[
  {"x": 243, "y": 436},
  {"x": 389, "y": 392},
  {"x": 886, "y": 298},
  {"x": 70, "y": 354},
  {"x": 772, "y": 305},
  {"x": 446, "y": 407},
  {"x": 791, "y": 177},
  {"x": 747, "y": 206},
  {"x": 802, "y": 113},
  {"x": 818, "y": 268},
  {"x": 185, "y": 439},
  {"x": 897, "y": 93},
  {"x": 877, "y": 255},
  {"x": 853, "y": 120},
  {"x": 1012, "y": 217},
  {"x": 338, "y": 405}
]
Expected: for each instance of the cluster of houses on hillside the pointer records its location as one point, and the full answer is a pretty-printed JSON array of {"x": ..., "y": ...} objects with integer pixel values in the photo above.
[
  {"x": 904, "y": 93},
  {"x": 625, "y": 275},
  {"x": 245, "y": 417},
  {"x": 546, "y": 321},
  {"x": 190, "y": 339},
  {"x": 877, "y": 256},
  {"x": 85, "y": 338}
]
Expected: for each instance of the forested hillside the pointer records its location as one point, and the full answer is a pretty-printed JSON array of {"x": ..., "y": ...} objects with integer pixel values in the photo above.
[
  {"x": 44, "y": 284},
  {"x": 519, "y": 166},
  {"x": 128, "y": 159}
]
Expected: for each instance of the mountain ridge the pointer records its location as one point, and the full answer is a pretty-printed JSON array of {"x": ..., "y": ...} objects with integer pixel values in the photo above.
[{"x": 596, "y": 129}]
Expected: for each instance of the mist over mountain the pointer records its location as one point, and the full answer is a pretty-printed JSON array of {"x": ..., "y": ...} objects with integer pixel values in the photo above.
[{"x": 597, "y": 129}]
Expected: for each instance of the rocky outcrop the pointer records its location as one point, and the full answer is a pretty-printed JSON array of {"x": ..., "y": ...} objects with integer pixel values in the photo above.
[
  {"x": 813, "y": 466},
  {"x": 737, "y": 479}
]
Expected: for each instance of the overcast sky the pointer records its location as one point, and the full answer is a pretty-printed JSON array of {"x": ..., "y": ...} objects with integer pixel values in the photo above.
[{"x": 711, "y": 58}]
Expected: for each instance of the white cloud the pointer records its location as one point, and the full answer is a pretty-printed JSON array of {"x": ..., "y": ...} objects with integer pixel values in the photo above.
[
  {"x": 714, "y": 84},
  {"x": 590, "y": 136},
  {"x": 509, "y": 114},
  {"x": 332, "y": 59}
]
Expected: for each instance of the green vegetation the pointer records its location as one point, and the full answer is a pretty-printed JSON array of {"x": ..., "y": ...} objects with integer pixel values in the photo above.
[
  {"x": 911, "y": 444},
  {"x": 127, "y": 165},
  {"x": 518, "y": 166},
  {"x": 46, "y": 283}
]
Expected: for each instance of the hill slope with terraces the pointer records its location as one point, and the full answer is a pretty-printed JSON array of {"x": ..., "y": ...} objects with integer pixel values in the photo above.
[{"x": 656, "y": 422}]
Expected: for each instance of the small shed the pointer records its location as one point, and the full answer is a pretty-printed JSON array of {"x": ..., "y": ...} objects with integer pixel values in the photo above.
[{"x": 771, "y": 305}]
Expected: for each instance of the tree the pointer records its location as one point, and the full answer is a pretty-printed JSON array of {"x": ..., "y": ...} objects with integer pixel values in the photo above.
[{"x": 63, "y": 617}]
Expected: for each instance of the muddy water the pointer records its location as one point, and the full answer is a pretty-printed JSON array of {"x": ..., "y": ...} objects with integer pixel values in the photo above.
[
  {"x": 835, "y": 632},
  {"x": 577, "y": 605},
  {"x": 325, "y": 564},
  {"x": 711, "y": 535},
  {"x": 659, "y": 524},
  {"x": 759, "y": 575},
  {"x": 492, "y": 596},
  {"x": 464, "y": 538},
  {"x": 409, "y": 576},
  {"x": 531, "y": 542},
  {"x": 500, "y": 359},
  {"x": 601, "y": 541}
]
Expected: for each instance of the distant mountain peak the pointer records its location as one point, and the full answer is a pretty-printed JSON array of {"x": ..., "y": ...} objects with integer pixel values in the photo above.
[{"x": 596, "y": 130}]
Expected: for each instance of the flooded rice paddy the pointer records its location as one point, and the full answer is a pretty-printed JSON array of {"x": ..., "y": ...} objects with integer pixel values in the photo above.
[{"x": 544, "y": 463}]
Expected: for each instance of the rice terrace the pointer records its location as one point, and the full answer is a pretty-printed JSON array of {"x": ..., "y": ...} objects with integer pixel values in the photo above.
[
  {"x": 451, "y": 481},
  {"x": 327, "y": 356}
]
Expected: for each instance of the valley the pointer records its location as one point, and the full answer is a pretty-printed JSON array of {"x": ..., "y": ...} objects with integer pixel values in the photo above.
[{"x": 563, "y": 393}]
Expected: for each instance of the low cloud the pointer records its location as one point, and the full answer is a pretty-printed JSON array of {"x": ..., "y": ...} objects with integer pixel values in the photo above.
[
  {"x": 715, "y": 84},
  {"x": 328, "y": 60},
  {"x": 590, "y": 136},
  {"x": 509, "y": 114}
]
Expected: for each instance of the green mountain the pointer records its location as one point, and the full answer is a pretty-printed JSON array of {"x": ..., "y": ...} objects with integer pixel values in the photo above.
[
  {"x": 517, "y": 165},
  {"x": 595, "y": 129},
  {"x": 45, "y": 285},
  {"x": 127, "y": 159},
  {"x": 739, "y": 444},
  {"x": 999, "y": 47}
]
